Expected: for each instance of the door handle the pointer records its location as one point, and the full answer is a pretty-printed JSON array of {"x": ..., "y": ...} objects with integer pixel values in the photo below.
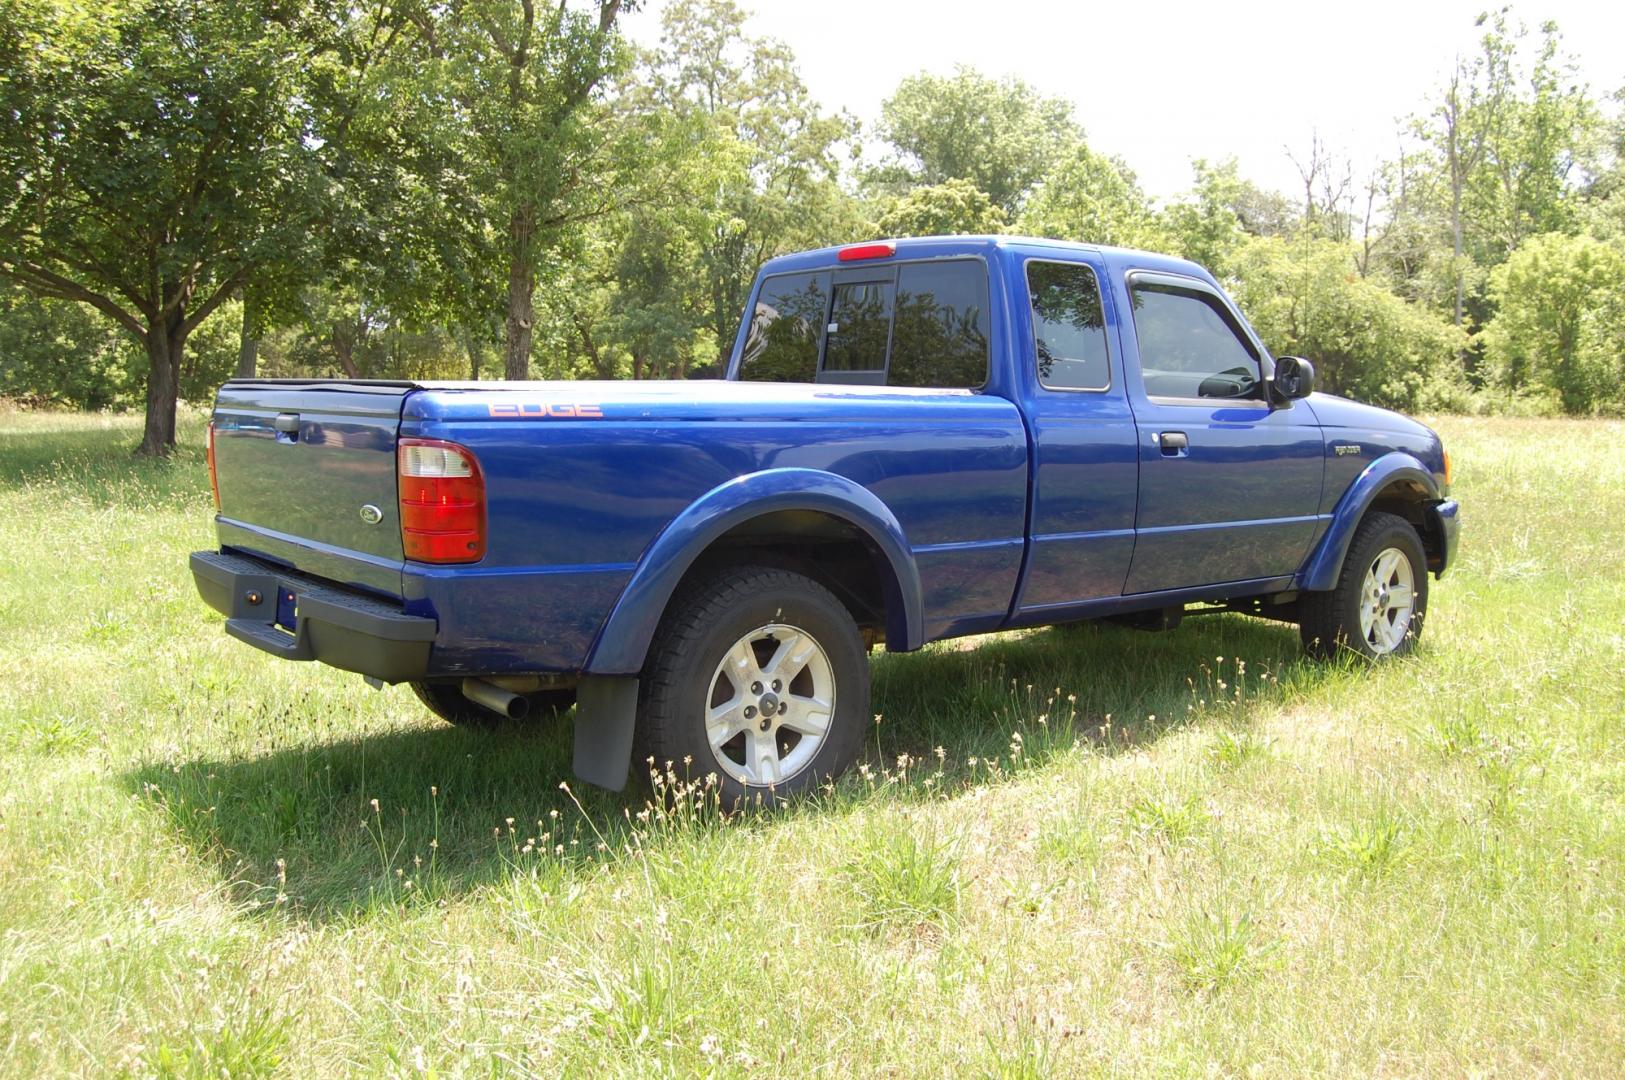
[{"x": 1173, "y": 443}]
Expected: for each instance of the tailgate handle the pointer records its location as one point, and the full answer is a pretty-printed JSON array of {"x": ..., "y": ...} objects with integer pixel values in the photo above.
[{"x": 287, "y": 423}]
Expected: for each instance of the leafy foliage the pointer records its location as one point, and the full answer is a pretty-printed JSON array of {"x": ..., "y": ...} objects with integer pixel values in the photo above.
[
  {"x": 1560, "y": 321},
  {"x": 1304, "y": 297},
  {"x": 1095, "y": 199},
  {"x": 953, "y": 207},
  {"x": 1001, "y": 135}
]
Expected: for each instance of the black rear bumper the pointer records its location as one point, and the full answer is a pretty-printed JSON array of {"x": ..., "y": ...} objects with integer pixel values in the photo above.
[{"x": 337, "y": 626}]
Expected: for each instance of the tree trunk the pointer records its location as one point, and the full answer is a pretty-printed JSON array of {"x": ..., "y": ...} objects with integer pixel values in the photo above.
[
  {"x": 473, "y": 349},
  {"x": 248, "y": 340},
  {"x": 521, "y": 292},
  {"x": 344, "y": 352},
  {"x": 1456, "y": 247},
  {"x": 165, "y": 346}
]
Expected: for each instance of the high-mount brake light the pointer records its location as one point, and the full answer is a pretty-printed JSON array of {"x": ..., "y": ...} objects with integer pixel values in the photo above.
[
  {"x": 214, "y": 475},
  {"x": 883, "y": 249},
  {"x": 442, "y": 495}
]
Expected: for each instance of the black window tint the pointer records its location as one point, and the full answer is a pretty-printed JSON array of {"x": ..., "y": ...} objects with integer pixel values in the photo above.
[
  {"x": 1069, "y": 330},
  {"x": 1188, "y": 348},
  {"x": 941, "y": 335},
  {"x": 782, "y": 342},
  {"x": 859, "y": 323}
]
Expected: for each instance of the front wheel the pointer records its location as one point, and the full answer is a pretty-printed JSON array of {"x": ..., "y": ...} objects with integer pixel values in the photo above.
[
  {"x": 759, "y": 676},
  {"x": 1381, "y": 597}
]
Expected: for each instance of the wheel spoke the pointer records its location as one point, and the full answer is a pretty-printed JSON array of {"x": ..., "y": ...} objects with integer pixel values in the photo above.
[
  {"x": 724, "y": 721},
  {"x": 764, "y": 757},
  {"x": 809, "y": 716},
  {"x": 741, "y": 665},
  {"x": 790, "y": 657}
]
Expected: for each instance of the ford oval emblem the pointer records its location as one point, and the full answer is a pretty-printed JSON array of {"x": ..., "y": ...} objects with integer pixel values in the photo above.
[{"x": 371, "y": 514}]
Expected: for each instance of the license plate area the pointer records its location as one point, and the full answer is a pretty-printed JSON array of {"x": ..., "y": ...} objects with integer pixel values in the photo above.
[{"x": 287, "y": 610}]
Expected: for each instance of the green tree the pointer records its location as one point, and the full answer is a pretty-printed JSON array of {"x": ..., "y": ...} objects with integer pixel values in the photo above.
[
  {"x": 515, "y": 85},
  {"x": 1603, "y": 204},
  {"x": 1459, "y": 129},
  {"x": 162, "y": 154},
  {"x": 761, "y": 172},
  {"x": 1304, "y": 296},
  {"x": 1096, "y": 199},
  {"x": 1560, "y": 321},
  {"x": 1535, "y": 153},
  {"x": 1220, "y": 211},
  {"x": 953, "y": 207},
  {"x": 54, "y": 352},
  {"x": 1506, "y": 138},
  {"x": 1001, "y": 135}
]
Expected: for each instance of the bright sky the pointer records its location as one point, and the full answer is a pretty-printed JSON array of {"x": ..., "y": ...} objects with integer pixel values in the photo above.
[{"x": 1161, "y": 83}]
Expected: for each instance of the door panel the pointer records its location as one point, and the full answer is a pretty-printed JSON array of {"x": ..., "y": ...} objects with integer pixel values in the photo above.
[
  {"x": 1229, "y": 488},
  {"x": 1240, "y": 501},
  {"x": 1083, "y": 509}
]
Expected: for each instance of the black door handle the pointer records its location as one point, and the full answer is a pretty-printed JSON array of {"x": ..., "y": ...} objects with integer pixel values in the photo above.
[{"x": 1173, "y": 443}]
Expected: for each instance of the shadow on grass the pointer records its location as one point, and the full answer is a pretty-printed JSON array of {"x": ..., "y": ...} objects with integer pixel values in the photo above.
[
  {"x": 337, "y": 828},
  {"x": 99, "y": 465}
]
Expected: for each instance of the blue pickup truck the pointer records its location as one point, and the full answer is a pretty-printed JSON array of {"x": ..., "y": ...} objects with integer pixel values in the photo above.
[{"x": 915, "y": 439}]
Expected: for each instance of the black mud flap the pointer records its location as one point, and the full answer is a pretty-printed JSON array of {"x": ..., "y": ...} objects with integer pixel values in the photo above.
[{"x": 606, "y": 712}]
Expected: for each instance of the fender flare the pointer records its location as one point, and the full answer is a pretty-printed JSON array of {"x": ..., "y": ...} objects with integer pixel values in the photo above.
[
  {"x": 623, "y": 642},
  {"x": 1326, "y": 561}
]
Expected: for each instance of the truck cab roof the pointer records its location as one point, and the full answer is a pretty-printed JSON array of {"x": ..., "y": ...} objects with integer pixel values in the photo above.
[{"x": 925, "y": 247}]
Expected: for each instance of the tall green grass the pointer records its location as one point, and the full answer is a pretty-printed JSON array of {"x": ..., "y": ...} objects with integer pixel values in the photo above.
[{"x": 1068, "y": 851}]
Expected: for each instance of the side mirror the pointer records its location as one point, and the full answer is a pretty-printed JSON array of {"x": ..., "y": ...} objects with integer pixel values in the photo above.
[{"x": 1294, "y": 377}]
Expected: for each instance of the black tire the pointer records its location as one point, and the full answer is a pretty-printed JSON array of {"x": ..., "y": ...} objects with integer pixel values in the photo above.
[
  {"x": 446, "y": 700},
  {"x": 1329, "y": 622},
  {"x": 681, "y": 682}
]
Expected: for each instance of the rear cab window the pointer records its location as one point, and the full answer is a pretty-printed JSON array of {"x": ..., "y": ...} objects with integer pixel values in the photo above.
[
  {"x": 915, "y": 324},
  {"x": 1069, "y": 326},
  {"x": 786, "y": 329}
]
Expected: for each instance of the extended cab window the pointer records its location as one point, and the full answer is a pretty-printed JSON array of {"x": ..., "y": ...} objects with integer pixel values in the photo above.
[
  {"x": 922, "y": 324},
  {"x": 859, "y": 325},
  {"x": 786, "y": 328},
  {"x": 1069, "y": 331},
  {"x": 941, "y": 334},
  {"x": 1189, "y": 347}
]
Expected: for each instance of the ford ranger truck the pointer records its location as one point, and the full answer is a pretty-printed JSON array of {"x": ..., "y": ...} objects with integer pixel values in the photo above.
[{"x": 915, "y": 440}]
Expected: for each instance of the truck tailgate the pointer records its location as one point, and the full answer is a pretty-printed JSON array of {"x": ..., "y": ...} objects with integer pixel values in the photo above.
[{"x": 307, "y": 476}]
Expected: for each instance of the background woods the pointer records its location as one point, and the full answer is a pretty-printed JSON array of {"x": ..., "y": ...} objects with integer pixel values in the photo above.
[{"x": 487, "y": 188}]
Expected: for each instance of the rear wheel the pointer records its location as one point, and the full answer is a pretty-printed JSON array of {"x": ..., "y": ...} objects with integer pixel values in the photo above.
[
  {"x": 759, "y": 676},
  {"x": 1381, "y": 597},
  {"x": 446, "y": 700}
]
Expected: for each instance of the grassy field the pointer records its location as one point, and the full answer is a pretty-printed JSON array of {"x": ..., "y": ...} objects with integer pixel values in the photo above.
[{"x": 1071, "y": 852}]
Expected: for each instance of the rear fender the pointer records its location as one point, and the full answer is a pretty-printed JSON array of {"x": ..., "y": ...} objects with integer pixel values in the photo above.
[
  {"x": 624, "y": 640},
  {"x": 1326, "y": 561}
]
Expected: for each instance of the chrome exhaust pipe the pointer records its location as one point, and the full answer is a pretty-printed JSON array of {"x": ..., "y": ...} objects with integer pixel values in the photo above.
[{"x": 500, "y": 701}]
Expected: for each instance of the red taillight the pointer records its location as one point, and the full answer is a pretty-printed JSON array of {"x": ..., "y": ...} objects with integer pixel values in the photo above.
[
  {"x": 442, "y": 502},
  {"x": 883, "y": 249},
  {"x": 214, "y": 476}
]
